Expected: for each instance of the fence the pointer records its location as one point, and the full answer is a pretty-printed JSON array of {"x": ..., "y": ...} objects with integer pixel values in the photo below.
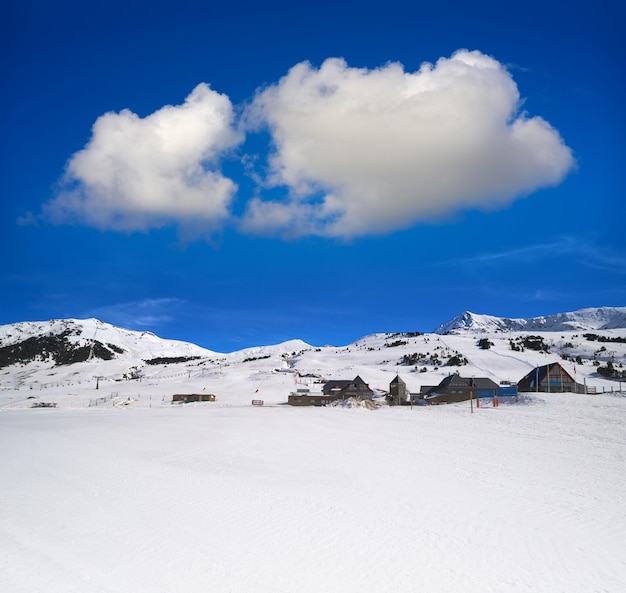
[{"x": 101, "y": 400}]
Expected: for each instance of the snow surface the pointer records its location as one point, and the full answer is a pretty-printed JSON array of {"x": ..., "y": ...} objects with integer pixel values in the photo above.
[{"x": 526, "y": 497}]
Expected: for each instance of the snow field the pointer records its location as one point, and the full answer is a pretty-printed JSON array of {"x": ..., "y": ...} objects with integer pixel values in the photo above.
[{"x": 240, "y": 499}]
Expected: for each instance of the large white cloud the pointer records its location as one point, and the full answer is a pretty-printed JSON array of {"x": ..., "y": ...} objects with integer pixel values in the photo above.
[
  {"x": 359, "y": 152},
  {"x": 369, "y": 151},
  {"x": 139, "y": 173}
]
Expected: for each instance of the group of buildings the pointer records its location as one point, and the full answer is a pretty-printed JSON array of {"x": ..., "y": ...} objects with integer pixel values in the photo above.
[{"x": 452, "y": 389}]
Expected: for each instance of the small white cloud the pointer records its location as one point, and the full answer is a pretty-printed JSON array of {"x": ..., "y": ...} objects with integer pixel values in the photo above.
[
  {"x": 370, "y": 151},
  {"x": 139, "y": 173}
]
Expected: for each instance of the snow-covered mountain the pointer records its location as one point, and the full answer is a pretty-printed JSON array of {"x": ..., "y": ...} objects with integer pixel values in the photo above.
[
  {"x": 583, "y": 319},
  {"x": 66, "y": 360},
  {"x": 67, "y": 341}
]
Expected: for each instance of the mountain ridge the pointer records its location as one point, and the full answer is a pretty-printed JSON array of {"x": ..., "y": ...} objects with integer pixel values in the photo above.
[
  {"x": 69, "y": 361},
  {"x": 592, "y": 318},
  {"x": 65, "y": 341}
]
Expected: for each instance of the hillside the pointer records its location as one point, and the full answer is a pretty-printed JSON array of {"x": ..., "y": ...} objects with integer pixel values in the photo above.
[
  {"x": 74, "y": 362},
  {"x": 66, "y": 341}
]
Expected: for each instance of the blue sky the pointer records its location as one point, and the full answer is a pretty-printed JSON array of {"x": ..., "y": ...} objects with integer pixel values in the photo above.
[{"x": 246, "y": 174}]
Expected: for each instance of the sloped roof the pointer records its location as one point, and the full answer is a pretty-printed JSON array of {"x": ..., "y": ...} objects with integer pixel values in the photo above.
[
  {"x": 540, "y": 373},
  {"x": 341, "y": 384},
  {"x": 455, "y": 380},
  {"x": 485, "y": 383},
  {"x": 397, "y": 380}
]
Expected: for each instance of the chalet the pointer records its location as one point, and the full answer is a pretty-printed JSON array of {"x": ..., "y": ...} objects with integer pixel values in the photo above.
[
  {"x": 550, "y": 378},
  {"x": 332, "y": 391},
  {"x": 455, "y": 388},
  {"x": 343, "y": 389}
]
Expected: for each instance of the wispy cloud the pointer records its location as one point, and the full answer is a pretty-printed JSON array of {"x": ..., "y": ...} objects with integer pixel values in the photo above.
[
  {"x": 143, "y": 314},
  {"x": 586, "y": 252},
  {"x": 526, "y": 253}
]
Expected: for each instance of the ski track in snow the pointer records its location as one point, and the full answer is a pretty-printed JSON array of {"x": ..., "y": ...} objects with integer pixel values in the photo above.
[{"x": 514, "y": 499}]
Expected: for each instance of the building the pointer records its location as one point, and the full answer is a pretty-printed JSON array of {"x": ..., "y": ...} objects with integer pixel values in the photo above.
[
  {"x": 304, "y": 397},
  {"x": 186, "y": 398},
  {"x": 332, "y": 391},
  {"x": 397, "y": 392},
  {"x": 455, "y": 388},
  {"x": 343, "y": 389},
  {"x": 550, "y": 378}
]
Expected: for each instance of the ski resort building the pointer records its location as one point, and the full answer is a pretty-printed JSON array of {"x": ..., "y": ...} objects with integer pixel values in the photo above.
[
  {"x": 398, "y": 394},
  {"x": 550, "y": 378},
  {"x": 304, "y": 397},
  {"x": 343, "y": 389},
  {"x": 332, "y": 391},
  {"x": 455, "y": 388},
  {"x": 186, "y": 398}
]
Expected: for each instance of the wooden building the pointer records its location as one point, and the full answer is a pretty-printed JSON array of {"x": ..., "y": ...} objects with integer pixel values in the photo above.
[
  {"x": 397, "y": 392},
  {"x": 332, "y": 391},
  {"x": 455, "y": 388},
  {"x": 303, "y": 397},
  {"x": 550, "y": 378},
  {"x": 343, "y": 389}
]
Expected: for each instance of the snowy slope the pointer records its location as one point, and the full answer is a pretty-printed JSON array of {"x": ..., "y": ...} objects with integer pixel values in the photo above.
[{"x": 137, "y": 345}]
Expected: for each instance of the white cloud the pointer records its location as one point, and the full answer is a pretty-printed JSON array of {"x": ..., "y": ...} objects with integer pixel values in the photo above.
[
  {"x": 139, "y": 173},
  {"x": 370, "y": 151},
  {"x": 359, "y": 151},
  {"x": 584, "y": 250}
]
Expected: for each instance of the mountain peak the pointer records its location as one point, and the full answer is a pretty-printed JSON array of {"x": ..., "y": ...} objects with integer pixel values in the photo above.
[{"x": 66, "y": 341}]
